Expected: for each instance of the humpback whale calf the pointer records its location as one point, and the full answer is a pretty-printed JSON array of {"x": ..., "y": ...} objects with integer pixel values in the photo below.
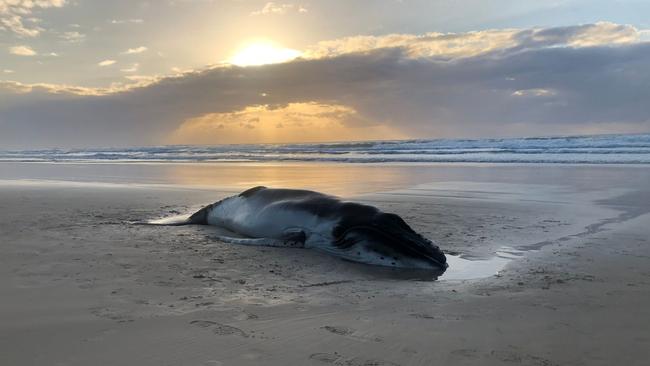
[{"x": 308, "y": 219}]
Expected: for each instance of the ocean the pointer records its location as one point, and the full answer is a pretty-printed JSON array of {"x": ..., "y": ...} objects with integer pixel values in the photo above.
[{"x": 599, "y": 149}]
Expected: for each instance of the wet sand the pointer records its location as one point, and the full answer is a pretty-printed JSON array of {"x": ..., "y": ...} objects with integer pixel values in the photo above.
[{"x": 549, "y": 266}]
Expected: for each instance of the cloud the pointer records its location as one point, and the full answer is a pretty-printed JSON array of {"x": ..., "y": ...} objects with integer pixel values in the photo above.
[
  {"x": 73, "y": 37},
  {"x": 537, "y": 81},
  {"x": 106, "y": 63},
  {"x": 15, "y": 24},
  {"x": 439, "y": 45},
  {"x": 644, "y": 35},
  {"x": 15, "y": 13},
  {"x": 28, "y": 51},
  {"x": 470, "y": 44},
  {"x": 136, "y": 50},
  {"x": 22, "y": 51},
  {"x": 538, "y": 92},
  {"x": 271, "y": 8},
  {"x": 9, "y": 88},
  {"x": 300, "y": 122},
  {"x": 127, "y": 21},
  {"x": 133, "y": 68}
]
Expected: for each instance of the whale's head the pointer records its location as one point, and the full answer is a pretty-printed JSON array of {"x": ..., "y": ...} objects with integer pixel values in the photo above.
[{"x": 385, "y": 239}]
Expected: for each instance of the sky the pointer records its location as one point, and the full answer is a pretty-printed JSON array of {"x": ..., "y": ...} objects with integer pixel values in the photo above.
[{"x": 92, "y": 73}]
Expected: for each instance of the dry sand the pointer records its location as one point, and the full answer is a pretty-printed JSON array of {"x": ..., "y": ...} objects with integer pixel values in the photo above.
[{"x": 79, "y": 285}]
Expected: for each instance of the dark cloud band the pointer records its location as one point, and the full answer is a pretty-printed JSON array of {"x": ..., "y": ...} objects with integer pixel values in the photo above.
[{"x": 555, "y": 80}]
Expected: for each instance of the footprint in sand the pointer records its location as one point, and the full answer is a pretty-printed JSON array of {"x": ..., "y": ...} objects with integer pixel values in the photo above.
[
  {"x": 223, "y": 329},
  {"x": 466, "y": 352},
  {"x": 325, "y": 357},
  {"x": 213, "y": 363},
  {"x": 349, "y": 332},
  {"x": 112, "y": 314},
  {"x": 504, "y": 356},
  {"x": 246, "y": 316},
  {"x": 443, "y": 317},
  {"x": 339, "y": 360},
  {"x": 338, "y": 330},
  {"x": 203, "y": 323},
  {"x": 357, "y": 361},
  {"x": 219, "y": 329}
]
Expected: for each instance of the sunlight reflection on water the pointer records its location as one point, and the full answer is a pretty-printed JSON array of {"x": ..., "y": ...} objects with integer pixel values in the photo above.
[
  {"x": 467, "y": 269},
  {"x": 459, "y": 268},
  {"x": 342, "y": 180}
]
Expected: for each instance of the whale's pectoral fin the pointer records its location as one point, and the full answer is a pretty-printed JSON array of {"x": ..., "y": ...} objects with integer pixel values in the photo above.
[
  {"x": 292, "y": 241},
  {"x": 296, "y": 236}
]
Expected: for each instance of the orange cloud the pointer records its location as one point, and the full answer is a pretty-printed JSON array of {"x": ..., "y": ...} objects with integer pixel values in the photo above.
[{"x": 293, "y": 122}]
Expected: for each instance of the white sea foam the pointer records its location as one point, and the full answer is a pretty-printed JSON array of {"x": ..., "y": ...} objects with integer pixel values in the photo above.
[{"x": 602, "y": 149}]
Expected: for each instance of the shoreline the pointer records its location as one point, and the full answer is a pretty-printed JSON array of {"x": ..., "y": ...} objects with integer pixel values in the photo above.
[
  {"x": 281, "y": 163},
  {"x": 342, "y": 179}
]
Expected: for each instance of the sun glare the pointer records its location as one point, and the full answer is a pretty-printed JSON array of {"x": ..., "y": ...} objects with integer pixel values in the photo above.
[{"x": 263, "y": 53}]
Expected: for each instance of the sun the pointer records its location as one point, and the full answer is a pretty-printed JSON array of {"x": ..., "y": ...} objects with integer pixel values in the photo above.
[{"x": 263, "y": 53}]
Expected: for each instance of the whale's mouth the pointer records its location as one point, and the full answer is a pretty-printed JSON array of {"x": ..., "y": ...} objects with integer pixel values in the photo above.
[{"x": 405, "y": 244}]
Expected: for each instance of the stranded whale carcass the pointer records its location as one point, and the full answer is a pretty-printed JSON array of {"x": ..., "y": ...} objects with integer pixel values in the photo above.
[{"x": 301, "y": 218}]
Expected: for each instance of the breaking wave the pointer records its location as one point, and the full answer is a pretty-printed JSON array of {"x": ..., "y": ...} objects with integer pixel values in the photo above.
[{"x": 602, "y": 149}]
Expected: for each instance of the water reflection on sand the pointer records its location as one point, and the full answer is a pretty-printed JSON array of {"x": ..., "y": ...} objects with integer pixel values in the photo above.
[
  {"x": 461, "y": 267},
  {"x": 337, "y": 179}
]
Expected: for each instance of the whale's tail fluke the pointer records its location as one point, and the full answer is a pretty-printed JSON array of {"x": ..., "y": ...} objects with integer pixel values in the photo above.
[
  {"x": 200, "y": 217},
  {"x": 165, "y": 221}
]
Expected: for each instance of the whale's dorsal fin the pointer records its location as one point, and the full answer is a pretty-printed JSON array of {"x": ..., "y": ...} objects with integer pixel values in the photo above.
[
  {"x": 200, "y": 217},
  {"x": 251, "y": 191}
]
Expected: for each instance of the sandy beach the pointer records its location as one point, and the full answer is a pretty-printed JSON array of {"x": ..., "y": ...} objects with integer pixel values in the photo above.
[
  {"x": 324, "y": 183},
  {"x": 549, "y": 265}
]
